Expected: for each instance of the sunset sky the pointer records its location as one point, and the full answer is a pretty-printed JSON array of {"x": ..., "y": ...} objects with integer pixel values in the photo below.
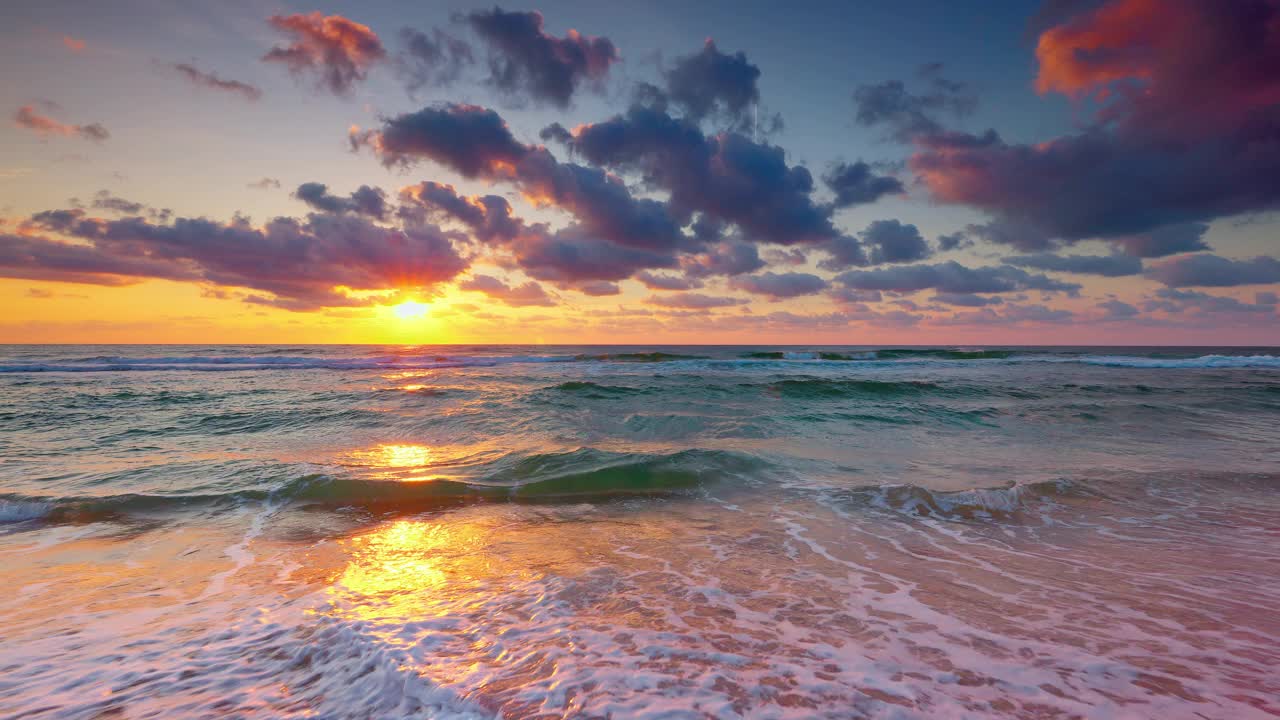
[{"x": 658, "y": 172}]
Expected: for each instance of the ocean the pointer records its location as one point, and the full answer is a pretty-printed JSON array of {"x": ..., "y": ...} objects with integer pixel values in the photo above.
[{"x": 639, "y": 532}]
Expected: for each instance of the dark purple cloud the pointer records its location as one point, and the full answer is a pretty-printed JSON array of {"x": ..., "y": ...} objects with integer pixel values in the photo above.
[
  {"x": 1010, "y": 314},
  {"x": 1118, "y": 310},
  {"x": 489, "y": 217},
  {"x": 210, "y": 80},
  {"x": 477, "y": 143},
  {"x": 694, "y": 301},
  {"x": 598, "y": 288},
  {"x": 1185, "y": 302},
  {"x": 601, "y": 202},
  {"x": 910, "y": 115},
  {"x": 555, "y": 132},
  {"x": 34, "y": 257},
  {"x": 1214, "y": 271},
  {"x": 843, "y": 252},
  {"x": 1188, "y": 129},
  {"x": 1105, "y": 265},
  {"x": 966, "y": 299},
  {"x": 712, "y": 84},
  {"x": 435, "y": 60},
  {"x": 104, "y": 200},
  {"x": 952, "y": 277},
  {"x": 573, "y": 256},
  {"x": 530, "y": 293},
  {"x": 954, "y": 241},
  {"x": 724, "y": 258},
  {"x": 300, "y": 263},
  {"x": 890, "y": 241},
  {"x": 526, "y": 60},
  {"x": 338, "y": 52},
  {"x": 1168, "y": 240},
  {"x": 655, "y": 281},
  {"x": 471, "y": 140},
  {"x": 857, "y": 184},
  {"x": 727, "y": 176},
  {"x": 778, "y": 286},
  {"x": 366, "y": 200}
]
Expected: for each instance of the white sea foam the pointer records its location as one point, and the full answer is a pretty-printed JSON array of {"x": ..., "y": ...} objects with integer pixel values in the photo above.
[{"x": 1204, "y": 361}]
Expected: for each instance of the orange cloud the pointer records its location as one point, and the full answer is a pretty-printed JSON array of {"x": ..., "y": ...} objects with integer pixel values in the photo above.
[
  {"x": 28, "y": 118},
  {"x": 1109, "y": 44},
  {"x": 336, "y": 50},
  {"x": 73, "y": 44}
]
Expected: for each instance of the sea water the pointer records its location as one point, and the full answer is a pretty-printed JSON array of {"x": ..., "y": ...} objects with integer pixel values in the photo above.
[{"x": 642, "y": 532}]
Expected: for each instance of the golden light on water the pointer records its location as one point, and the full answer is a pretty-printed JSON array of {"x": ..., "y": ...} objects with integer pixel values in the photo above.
[
  {"x": 393, "y": 461},
  {"x": 403, "y": 456},
  {"x": 398, "y": 558}
]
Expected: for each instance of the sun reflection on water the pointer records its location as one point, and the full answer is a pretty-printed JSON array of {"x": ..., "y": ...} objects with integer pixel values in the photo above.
[{"x": 394, "y": 461}]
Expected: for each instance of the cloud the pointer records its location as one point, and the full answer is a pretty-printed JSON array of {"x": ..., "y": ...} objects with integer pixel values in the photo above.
[
  {"x": 530, "y": 293},
  {"x": 1118, "y": 310},
  {"x": 573, "y": 256},
  {"x": 847, "y": 296},
  {"x": 1180, "y": 302},
  {"x": 338, "y": 52},
  {"x": 909, "y": 115},
  {"x": 28, "y": 118},
  {"x": 1105, "y": 265},
  {"x": 778, "y": 286},
  {"x": 365, "y": 200},
  {"x": 209, "y": 80},
  {"x": 1168, "y": 240},
  {"x": 472, "y": 140},
  {"x": 477, "y": 143},
  {"x": 654, "y": 281},
  {"x": 489, "y": 217},
  {"x": 555, "y": 132},
  {"x": 727, "y": 176},
  {"x": 856, "y": 184},
  {"x": 75, "y": 45},
  {"x": 598, "y": 288},
  {"x": 435, "y": 60},
  {"x": 843, "y": 252},
  {"x": 965, "y": 299},
  {"x": 299, "y": 264},
  {"x": 954, "y": 241},
  {"x": 526, "y": 60},
  {"x": 265, "y": 183},
  {"x": 712, "y": 84},
  {"x": 1009, "y": 315},
  {"x": 890, "y": 241},
  {"x": 1186, "y": 128},
  {"x": 104, "y": 200},
  {"x": 724, "y": 258},
  {"x": 694, "y": 301},
  {"x": 1214, "y": 271},
  {"x": 952, "y": 277}
]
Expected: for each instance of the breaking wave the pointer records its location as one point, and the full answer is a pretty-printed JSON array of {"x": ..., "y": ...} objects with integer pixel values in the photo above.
[{"x": 580, "y": 475}]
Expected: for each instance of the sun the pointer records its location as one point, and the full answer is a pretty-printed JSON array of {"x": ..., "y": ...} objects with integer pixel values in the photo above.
[{"x": 410, "y": 309}]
